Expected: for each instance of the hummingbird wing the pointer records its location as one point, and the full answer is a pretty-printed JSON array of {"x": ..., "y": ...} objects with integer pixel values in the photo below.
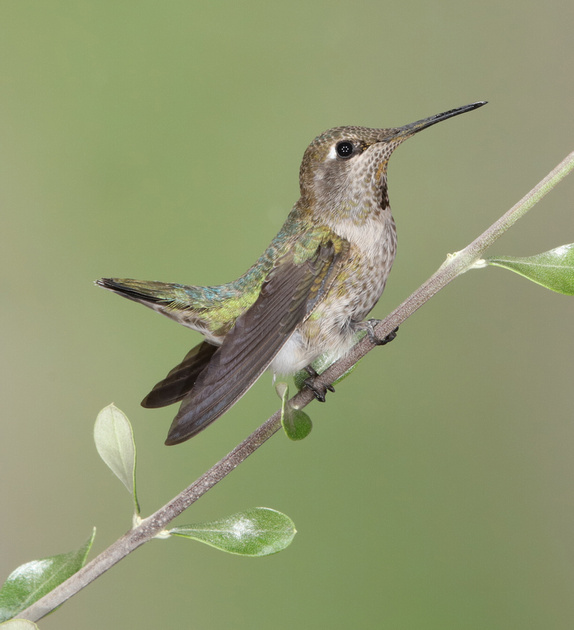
[
  {"x": 295, "y": 285},
  {"x": 181, "y": 379}
]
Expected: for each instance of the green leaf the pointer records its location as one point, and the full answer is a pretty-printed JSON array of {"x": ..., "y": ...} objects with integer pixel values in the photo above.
[
  {"x": 299, "y": 379},
  {"x": 31, "y": 581},
  {"x": 18, "y": 624},
  {"x": 115, "y": 443},
  {"x": 296, "y": 423},
  {"x": 255, "y": 532},
  {"x": 553, "y": 269}
]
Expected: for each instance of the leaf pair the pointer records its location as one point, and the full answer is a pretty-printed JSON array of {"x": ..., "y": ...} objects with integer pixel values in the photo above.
[{"x": 253, "y": 532}]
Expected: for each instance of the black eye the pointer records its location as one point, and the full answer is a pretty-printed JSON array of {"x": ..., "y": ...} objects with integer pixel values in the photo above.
[{"x": 344, "y": 149}]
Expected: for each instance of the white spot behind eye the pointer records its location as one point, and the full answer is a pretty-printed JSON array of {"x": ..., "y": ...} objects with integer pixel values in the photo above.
[{"x": 332, "y": 152}]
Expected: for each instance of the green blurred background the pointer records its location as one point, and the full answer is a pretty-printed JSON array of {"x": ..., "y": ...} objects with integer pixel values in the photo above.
[{"x": 162, "y": 141}]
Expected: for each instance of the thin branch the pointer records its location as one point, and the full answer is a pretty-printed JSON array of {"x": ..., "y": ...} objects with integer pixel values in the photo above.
[{"x": 153, "y": 525}]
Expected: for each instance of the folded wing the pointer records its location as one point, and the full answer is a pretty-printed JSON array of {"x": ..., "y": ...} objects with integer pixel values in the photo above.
[{"x": 298, "y": 281}]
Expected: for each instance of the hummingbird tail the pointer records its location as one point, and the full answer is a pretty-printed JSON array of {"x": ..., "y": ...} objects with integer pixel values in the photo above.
[
  {"x": 176, "y": 301},
  {"x": 149, "y": 293},
  {"x": 211, "y": 311}
]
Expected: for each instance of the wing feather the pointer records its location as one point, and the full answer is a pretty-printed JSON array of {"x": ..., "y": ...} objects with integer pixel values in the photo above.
[{"x": 179, "y": 382}]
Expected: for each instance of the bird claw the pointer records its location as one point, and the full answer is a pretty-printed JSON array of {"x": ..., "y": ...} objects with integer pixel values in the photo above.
[
  {"x": 319, "y": 389},
  {"x": 370, "y": 328}
]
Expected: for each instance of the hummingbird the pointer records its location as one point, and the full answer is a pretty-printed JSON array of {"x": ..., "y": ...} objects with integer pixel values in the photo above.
[{"x": 307, "y": 295}]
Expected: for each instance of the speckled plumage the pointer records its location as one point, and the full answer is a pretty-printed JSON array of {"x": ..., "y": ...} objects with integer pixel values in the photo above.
[{"x": 305, "y": 297}]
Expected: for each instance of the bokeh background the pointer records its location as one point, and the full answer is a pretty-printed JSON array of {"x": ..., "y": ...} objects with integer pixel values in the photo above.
[{"x": 162, "y": 140}]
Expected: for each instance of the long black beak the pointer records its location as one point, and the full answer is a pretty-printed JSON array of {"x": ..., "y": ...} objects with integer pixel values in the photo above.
[{"x": 412, "y": 128}]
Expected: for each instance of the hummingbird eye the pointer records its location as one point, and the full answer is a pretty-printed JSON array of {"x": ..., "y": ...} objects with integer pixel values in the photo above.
[{"x": 344, "y": 149}]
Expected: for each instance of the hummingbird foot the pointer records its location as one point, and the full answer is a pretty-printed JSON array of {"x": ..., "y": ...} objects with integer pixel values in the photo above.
[
  {"x": 370, "y": 328},
  {"x": 319, "y": 389}
]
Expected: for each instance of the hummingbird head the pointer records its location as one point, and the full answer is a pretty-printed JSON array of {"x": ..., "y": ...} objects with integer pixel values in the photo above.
[{"x": 344, "y": 170}]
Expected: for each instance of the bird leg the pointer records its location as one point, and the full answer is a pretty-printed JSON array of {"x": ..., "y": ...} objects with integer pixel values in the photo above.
[
  {"x": 318, "y": 389},
  {"x": 369, "y": 326}
]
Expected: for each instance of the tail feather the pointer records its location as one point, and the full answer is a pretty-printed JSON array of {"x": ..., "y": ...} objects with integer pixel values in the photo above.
[
  {"x": 211, "y": 311},
  {"x": 186, "y": 305},
  {"x": 141, "y": 291}
]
